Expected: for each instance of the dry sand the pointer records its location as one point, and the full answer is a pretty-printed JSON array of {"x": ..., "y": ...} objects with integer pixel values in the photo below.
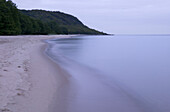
[{"x": 28, "y": 80}]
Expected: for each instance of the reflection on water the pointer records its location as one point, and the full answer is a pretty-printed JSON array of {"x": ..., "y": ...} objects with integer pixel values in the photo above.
[{"x": 138, "y": 64}]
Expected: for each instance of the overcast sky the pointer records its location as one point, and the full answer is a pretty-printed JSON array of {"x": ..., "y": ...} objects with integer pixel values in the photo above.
[{"x": 112, "y": 16}]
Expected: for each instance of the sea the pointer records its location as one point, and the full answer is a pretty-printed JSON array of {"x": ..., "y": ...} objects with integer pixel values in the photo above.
[{"x": 115, "y": 73}]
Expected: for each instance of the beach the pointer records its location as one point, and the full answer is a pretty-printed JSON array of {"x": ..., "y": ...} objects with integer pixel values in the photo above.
[
  {"x": 70, "y": 73},
  {"x": 28, "y": 79}
]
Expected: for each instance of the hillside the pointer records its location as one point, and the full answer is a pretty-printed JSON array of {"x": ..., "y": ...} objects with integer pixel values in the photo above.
[
  {"x": 15, "y": 22},
  {"x": 48, "y": 16},
  {"x": 60, "y": 22}
]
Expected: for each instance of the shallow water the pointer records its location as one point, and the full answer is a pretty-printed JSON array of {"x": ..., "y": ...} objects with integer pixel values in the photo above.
[{"x": 122, "y": 73}]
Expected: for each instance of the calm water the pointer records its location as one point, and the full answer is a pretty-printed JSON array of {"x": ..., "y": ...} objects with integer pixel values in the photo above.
[{"x": 115, "y": 73}]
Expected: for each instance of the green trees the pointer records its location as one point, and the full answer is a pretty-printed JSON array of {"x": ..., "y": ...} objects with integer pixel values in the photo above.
[
  {"x": 14, "y": 15},
  {"x": 60, "y": 23},
  {"x": 9, "y": 18},
  {"x": 15, "y": 22}
]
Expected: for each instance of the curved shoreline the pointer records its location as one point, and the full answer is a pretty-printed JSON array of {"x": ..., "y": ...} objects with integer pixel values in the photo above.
[
  {"x": 89, "y": 92},
  {"x": 58, "y": 103},
  {"x": 38, "y": 84}
]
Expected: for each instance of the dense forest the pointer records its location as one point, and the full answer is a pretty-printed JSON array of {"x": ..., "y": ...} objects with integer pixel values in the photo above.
[{"x": 15, "y": 22}]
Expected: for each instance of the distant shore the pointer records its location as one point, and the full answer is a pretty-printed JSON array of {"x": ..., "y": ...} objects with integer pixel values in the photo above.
[{"x": 28, "y": 80}]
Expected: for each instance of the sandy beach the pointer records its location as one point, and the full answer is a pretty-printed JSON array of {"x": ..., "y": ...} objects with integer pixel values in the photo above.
[{"x": 28, "y": 79}]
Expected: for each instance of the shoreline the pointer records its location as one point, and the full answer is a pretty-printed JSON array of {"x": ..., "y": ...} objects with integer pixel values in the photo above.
[
  {"x": 36, "y": 85},
  {"x": 89, "y": 90},
  {"x": 31, "y": 81}
]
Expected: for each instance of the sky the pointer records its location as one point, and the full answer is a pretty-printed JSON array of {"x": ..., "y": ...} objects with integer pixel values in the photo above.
[{"x": 112, "y": 16}]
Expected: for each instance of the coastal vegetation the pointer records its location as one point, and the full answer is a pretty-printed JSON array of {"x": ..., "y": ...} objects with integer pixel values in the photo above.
[{"x": 15, "y": 22}]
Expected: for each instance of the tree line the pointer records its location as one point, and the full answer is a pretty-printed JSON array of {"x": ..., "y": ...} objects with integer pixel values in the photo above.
[{"x": 15, "y": 22}]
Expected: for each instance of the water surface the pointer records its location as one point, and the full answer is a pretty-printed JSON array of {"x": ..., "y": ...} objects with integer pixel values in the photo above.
[{"x": 122, "y": 73}]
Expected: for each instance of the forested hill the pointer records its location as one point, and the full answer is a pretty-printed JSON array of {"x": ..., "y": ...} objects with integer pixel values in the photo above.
[
  {"x": 60, "y": 22},
  {"x": 16, "y": 22},
  {"x": 48, "y": 16}
]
